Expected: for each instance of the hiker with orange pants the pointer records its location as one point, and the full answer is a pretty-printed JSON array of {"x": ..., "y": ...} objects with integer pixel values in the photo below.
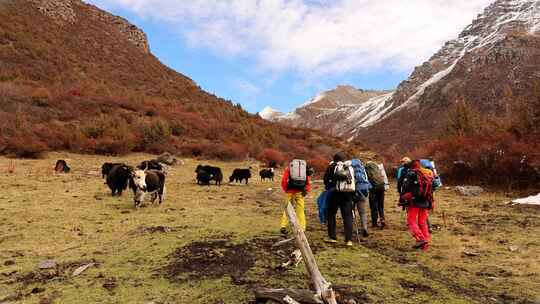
[
  {"x": 296, "y": 183},
  {"x": 417, "y": 195}
]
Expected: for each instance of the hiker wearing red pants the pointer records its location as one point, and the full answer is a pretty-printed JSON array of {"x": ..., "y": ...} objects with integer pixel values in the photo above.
[{"x": 417, "y": 194}]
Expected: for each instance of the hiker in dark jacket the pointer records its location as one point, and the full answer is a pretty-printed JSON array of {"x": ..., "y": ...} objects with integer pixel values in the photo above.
[
  {"x": 419, "y": 197},
  {"x": 338, "y": 200},
  {"x": 402, "y": 171},
  {"x": 376, "y": 194}
]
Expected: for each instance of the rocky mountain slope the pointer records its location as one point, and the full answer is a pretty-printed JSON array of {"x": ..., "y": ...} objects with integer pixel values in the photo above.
[
  {"x": 496, "y": 56},
  {"x": 74, "y": 77},
  {"x": 334, "y": 111}
]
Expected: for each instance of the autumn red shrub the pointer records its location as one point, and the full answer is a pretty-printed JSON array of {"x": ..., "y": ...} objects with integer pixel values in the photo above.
[
  {"x": 41, "y": 97},
  {"x": 230, "y": 151},
  {"x": 267, "y": 155},
  {"x": 499, "y": 159},
  {"x": 27, "y": 146},
  {"x": 110, "y": 146},
  {"x": 191, "y": 149},
  {"x": 319, "y": 164}
]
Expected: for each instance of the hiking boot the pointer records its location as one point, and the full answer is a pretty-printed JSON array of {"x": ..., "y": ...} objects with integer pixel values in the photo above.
[
  {"x": 374, "y": 225},
  {"x": 383, "y": 224},
  {"x": 364, "y": 233},
  {"x": 420, "y": 244},
  {"x": 284, "y": 231},
  {"x": 329, "y": 240},
  {"x": 349, "y": 244}
]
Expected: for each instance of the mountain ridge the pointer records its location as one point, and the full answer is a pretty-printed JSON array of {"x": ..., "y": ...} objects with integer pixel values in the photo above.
[
  {"x": 495, "y": 55},
  {"x": 79, "y": 79}
]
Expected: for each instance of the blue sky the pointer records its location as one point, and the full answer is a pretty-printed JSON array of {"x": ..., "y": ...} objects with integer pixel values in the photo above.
[{"x": 281, "y": 53}]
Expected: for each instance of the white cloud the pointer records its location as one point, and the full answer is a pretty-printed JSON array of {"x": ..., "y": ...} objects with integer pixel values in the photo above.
[
  {"x": 247, "y": 87},
  {"x": 247, "y": 92},
  {"x": 314, "y": 37}
]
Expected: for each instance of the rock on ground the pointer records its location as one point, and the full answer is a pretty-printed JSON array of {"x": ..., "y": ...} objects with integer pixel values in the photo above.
[{"x": 469, "y": 190}]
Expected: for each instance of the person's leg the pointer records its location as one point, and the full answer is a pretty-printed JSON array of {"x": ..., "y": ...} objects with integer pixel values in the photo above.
[
  {"x": 373, "y": 208},
  {"x": 380, "y": 207},
  {"x": 422, "y": 222},
  {"x": 412, "y": 222},
  {"x": 361, "y": 206},
  {"x": 284, "y": 220},
  {"x": 430, "y": 228},
  {"x": 331, "y": 217},
  {"x": 299, "y": 208},
  {"x": 346, "y": 213}
]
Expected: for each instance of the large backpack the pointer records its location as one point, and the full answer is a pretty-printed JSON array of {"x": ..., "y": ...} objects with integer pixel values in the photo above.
[
  {"x": 344, "y": 177},
  {"x": 385, "y": 177},
  {"x": 429, "y": 164},
  {"x": 424, "y": 185},
  {"x": 298, "y": 174},
  {"x": 360, "y": 175},
  {"x": 374, "y": 175}
]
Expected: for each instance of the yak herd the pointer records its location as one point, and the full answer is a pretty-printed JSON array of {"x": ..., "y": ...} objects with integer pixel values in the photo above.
[{"x": 148, "y": 178}]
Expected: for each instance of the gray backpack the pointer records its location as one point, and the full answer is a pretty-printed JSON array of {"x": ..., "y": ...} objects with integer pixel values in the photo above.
[
  {"x": 298, "y": 174},
  {"x": 344, "y": 176}
]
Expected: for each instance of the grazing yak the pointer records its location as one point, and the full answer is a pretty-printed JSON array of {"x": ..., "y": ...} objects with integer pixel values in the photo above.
[
  {"x": 107, "y": 167},
  {"x": 203, "y": 178},
  {"x": 267, "y": 174},
  {"x": 151, "y": 165},
  {"x": 118, "y": 178},
  {"x": 239, "y": 175},
  {"x": 147, "y": 182},
  {"x": 61, "y": 166},
  {"x": 212, "y": 173}
]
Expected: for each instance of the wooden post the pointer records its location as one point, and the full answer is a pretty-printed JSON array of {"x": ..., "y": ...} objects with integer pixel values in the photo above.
[{"x": 323, "y": 289}]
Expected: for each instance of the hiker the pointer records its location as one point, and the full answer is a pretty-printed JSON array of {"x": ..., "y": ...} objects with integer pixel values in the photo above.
[
  {"x": 376, "y": 194},
  {"x": 338, "y": 199},
  {"x": 405, "y": 164},
  {"x": 361, "y": 194},
  {"x": 296, "y": 183},
  {"x": 417, "y": 193},
  {"x": 402, "y": 173}
]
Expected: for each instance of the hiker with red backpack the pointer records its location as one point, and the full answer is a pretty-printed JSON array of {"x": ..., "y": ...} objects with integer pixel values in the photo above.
[
  {"x": 417, "y": 195},
  {"x": 296, "y": 183},
  {"x": 340, "y": 183}
]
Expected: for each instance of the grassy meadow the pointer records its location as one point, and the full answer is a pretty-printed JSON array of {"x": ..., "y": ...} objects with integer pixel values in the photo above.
[{"x": 214, "y": 244}]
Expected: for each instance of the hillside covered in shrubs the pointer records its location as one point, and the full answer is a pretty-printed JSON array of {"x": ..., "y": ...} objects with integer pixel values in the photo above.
[
  {"x": 501, "y": 149},
  {"x": 82, "y": 83}
]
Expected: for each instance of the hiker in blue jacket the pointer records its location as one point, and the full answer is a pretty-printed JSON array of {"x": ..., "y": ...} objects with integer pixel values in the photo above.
[{"x": 362, "y": 191}]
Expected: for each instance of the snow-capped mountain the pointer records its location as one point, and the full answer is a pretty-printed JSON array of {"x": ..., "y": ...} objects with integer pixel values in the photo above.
[
  {"x": 497, "y": 55},
  {"x": 270, "y": 114},
  {"x": 499, "y": 52},
  {"x": 334, "y": 111}
]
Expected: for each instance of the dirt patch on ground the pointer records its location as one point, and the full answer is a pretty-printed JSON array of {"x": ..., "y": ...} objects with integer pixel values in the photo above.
[
  {"x": 218, "y": 258},
  {"x": 43, "y": 276},
  {"x": 209, "y": 260},
  {"x": 346, "y": 295},
  {"x": 415, "y": 287}
]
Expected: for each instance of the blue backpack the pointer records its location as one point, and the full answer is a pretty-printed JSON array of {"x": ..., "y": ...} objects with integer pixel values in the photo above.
[
  {"x": 322, "y": 204},
  {"x": 437, "y": 182},
  {"x": 362, "y": 182}
]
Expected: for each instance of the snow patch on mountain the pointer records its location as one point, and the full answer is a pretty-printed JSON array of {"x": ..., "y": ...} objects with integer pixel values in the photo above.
[
  {"x": 314, "y": 100},
  {"x": 371, "y": 111},
  {"x": 489, "y": 28},
  {"x": 270, "y": 114}
]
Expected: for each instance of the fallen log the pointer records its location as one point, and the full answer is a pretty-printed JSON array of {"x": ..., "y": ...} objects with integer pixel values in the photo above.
[
  {"x": 323, "y": 290},
  {"x": 279, "y": 294}
]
